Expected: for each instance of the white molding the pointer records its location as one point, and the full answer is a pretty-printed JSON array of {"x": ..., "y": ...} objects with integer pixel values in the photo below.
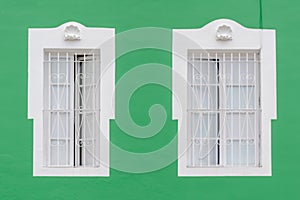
[
  {"x": 40, "y": 39},
  {"x": 239, "y": 38}
]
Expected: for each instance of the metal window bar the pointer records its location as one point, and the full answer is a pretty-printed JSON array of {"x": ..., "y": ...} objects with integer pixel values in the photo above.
[
  {"x": 226, "y": 96},
  {"x": 72, "y": 97}
]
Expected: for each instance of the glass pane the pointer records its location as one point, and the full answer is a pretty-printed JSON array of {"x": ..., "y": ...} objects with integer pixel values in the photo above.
[
  {"x": 59, "y": 70},
  {"x": 60, "y": 124},
  {"x": 204, "y": 138},
  {"x": 240, "y": 138},
  {"x": 209, "y": 125},
  {"x": 209, "y": 73},
  {"x": 60, "y": 97},
  {"x": 239, "y": 72},
  {"x": 240, "y": 97},
  {"x": 59, "y": 151},
  {"x": 240, "y": 125}
]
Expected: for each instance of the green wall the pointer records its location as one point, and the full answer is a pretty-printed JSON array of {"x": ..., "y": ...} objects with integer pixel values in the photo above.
[{"x": 16, "y": 181}]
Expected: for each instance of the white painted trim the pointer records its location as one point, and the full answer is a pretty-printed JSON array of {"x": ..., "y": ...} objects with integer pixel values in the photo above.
[
  {"x": 238, "y": 38},
  {"x": 55, "y": 38}
]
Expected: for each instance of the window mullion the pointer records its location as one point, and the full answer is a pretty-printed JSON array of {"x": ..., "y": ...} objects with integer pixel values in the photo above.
[
  {"x": 257, "y": 119},
  {"x": 191, "y": 139},
  {"x": 70, "y": 68},
  {"x": 201, "y": 106},
  {"x": 239, "y": 108},
  {"x": 217, "y": 113},
  {"x": 58, "y": 106},
  {"x": 49, "y": 113},
  {"x": 81, "y": 109},
  {"x": 84, "y": 107},
  {"x": 93, "y": 108},
  {"x": 76, "y": 112},
  {"x": 67, "y": 129},
  {"x": 247, "y": 107},
  {"x": 222, "y": 105},
  {"x": 208, "y": 134}
]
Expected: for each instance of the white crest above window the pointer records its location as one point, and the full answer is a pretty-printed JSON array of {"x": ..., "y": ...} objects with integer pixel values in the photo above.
[
  {"x": 224, "y": 33},
  {"x": 72, "y": 32}
]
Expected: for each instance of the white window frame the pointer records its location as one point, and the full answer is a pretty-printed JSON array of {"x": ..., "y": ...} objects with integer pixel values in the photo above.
[
  {"x": 224, "y": 35},
  {"x": 70, "y": 36}
]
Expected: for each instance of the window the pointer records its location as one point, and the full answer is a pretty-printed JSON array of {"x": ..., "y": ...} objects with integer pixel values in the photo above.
[
  {"x": 223, "y": 108},
  {"x": 72, "y": 108},
  {"x": 70, "y": 99},
  {"x": 224, "y": 86}
]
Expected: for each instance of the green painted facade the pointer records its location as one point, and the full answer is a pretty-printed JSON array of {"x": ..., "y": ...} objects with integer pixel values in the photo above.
[{"x": 16, "y": 181}]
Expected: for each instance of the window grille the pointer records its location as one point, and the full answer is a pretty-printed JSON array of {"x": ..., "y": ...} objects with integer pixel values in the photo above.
[
  {"x": 71, "y": 108},
  {"x": 223, "y": 108}
]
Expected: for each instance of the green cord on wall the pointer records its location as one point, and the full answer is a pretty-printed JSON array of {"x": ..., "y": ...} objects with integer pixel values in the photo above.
[{"x": 260, "y": 15}]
